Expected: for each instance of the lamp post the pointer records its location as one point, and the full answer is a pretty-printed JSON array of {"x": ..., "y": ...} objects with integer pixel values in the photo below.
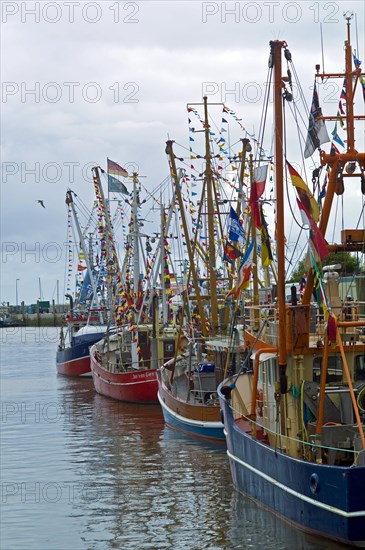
[{"x": 16, "y": 293}]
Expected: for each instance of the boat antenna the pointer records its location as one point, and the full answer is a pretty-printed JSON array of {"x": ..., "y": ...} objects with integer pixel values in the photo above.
[
  {"x": 348, "y": 15},
  {"x": 320, "y": 26},
  {"x": 357, "y": 36}
]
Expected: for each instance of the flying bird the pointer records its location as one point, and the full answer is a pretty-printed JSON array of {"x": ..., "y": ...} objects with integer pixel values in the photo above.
[{"x": 41, "y": 203}]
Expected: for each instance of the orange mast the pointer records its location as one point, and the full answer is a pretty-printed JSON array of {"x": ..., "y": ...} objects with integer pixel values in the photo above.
[
  {"x": 337, "y": 162},
  {"x": 275, "y": 59}
]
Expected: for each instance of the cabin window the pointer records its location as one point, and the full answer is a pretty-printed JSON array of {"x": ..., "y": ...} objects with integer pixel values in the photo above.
[
  {"x": 334, "y": 369},
  {"x": 267, "y": 372},
  {"x": 272, "y": 372},
  {"x": 360, "y": 367}
]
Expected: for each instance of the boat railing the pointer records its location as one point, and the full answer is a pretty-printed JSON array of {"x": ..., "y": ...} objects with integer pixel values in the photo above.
[
  {"x": 315, "y": 448},
  {"x": 118, "y": 366},
  {"x": 306, "y": 325},
  {"x": 206, "y": 397}
]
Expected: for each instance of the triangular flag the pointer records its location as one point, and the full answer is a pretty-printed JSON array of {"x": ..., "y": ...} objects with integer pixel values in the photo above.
[
  {"x": 304, "y": 194},
  {"x": 244, "y": 272},
  {"x": 316, "y": 236}
]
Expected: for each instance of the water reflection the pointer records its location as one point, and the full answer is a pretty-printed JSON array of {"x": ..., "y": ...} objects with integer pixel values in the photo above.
[{"x": 81, "y": 471}]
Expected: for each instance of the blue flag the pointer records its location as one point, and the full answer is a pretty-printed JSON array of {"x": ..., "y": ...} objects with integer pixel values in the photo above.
[
  {"x": 86, "y": 290},
  {"x": 235, "y": 229}
]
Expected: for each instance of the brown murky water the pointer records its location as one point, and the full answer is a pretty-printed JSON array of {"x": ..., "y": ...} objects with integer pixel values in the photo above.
[{"x": 79, "y": 471}]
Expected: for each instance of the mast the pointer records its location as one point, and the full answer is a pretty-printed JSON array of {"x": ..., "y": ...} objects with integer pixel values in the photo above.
[
  {"x": 160, "y": 252},
  {"x": 70, "y": 202},
  {"x": 135, "y": 237},
  {"x": 254, "y": 257},
  {"x": 163, "y": 262},
  {"x": 170, "y": 153},
  {"x": 113, "y": 270},
  {"x": 136, "y": 263},
  {"x": 275, "y": 60},
  {"x": 210, "y": 211},
  {"x": 246, "y": 148},
  {"x": 338, "y": 161}
]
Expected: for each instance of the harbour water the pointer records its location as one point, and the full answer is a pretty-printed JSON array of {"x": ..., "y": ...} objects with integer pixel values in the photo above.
[{"x": 79, "y": 471}]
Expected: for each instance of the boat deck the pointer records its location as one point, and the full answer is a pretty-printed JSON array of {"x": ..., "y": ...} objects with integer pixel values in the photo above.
[{"x": 196, "y": 389}]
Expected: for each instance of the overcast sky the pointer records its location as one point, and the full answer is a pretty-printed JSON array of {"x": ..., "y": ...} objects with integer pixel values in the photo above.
[{"x": 83, "y": 81}]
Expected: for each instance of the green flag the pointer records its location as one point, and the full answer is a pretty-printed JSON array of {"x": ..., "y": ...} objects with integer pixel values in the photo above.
[{"x": 116, "y": 186}]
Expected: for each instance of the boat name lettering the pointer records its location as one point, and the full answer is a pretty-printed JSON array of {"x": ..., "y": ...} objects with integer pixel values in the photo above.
[{"x": 144, "y": 375}]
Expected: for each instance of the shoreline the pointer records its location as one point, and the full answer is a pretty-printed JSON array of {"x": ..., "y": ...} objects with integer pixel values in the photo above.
[{"x": 34, "y": 320}]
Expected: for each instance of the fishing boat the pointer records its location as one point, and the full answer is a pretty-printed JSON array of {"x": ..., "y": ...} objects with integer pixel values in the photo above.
[
  {"x": 188, "y": 382},
  {"x": 73, "y": 353},
  {"x": 117, "y": 375},
  {"x": 124, "y": 362},
  {"x": 294, "y": 411},
  {"x": 85, "y": 320}
]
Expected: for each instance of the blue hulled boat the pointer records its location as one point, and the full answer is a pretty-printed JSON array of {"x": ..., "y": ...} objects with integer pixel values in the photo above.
[{"x": 294, "y": 410}]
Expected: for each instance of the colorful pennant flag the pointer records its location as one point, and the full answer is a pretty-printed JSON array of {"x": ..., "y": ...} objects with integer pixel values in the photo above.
[
  {"x": 357, "y": 62},
  {"x": 362, "y": 82},
  {"x": 334, "y": 150},
  {"x": 304, "y": 194},
  {"x": 319, "y": 287},
  {"x": 316, "y": 236},
  {"x": 266, "y": 253},
  {"x": 323, "y": 188},
  {"x": 244, "y": 272},
  {"x": 230, "y": 253},
  {"x": 338, "y": 140}
]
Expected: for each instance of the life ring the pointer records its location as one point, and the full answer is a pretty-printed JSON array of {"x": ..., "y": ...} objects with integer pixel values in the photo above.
[{"x": 260, "y": 402}]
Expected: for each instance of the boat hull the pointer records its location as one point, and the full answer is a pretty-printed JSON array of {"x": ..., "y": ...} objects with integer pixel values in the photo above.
[
  {"x": 322, "y": 499},
  {"x": 74, "y": 367},
  {"x": 197, "y": 420},
  {"x": 131, "y": 387},
  {"x": 74, "y": 360}
]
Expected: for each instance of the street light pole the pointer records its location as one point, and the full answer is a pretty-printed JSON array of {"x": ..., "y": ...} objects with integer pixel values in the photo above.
[{"x": 16, "y": 293}]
